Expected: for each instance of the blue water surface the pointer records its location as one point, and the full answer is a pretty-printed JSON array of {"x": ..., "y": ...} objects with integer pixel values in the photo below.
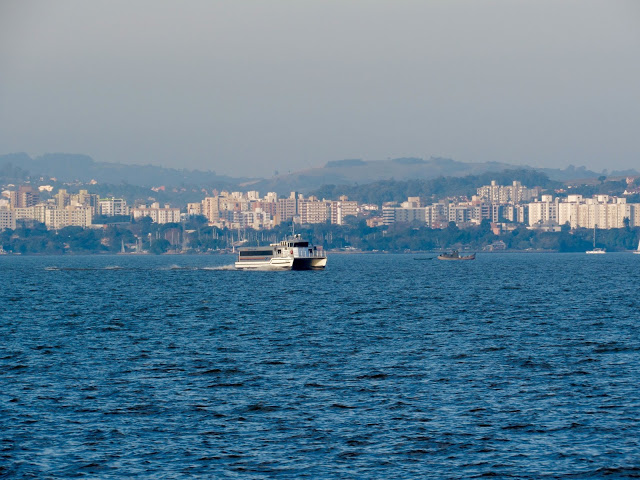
[{"x": 380, "y": 366}]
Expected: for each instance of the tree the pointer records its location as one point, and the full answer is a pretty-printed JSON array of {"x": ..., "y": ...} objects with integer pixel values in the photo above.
[{"x": 159, "y": 246}]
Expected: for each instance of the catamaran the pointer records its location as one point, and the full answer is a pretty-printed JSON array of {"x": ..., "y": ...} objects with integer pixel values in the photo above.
[{"x": 292, "y": 253}]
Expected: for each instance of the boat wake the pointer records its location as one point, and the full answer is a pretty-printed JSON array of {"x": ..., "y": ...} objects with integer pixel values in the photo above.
[
  {"x": 221, "y": 268},
  {"x": 118, "y": 268},
  {"x": 179, "y": 267}
]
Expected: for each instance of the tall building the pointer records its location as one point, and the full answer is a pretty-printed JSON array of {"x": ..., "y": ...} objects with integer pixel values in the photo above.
[
  {"x": 111, "y": 207},
  {"x": 79, "y": 215},
  {"x": 86, "y": 199},
  {"x": 313, "y": 210},
  {"x": 7, "y": 219},
  {"x": 391, "y": 215},
  {"x": 515, "y": 193},
  {"x": 544, "y": 211},
  {"x": 26, "y": 196},
  {"x": 459, "y": 214},
  {"x": 62, "y": 198},
  {"x": 287, "y": 208},
  {"x": 600, "y": 211},
  {"x": 211, "y": 208},
  {"x": 343, "y": 208},
  {"x": 54, "y": 217},
  {"x": 157, "y": 214},
  {"x": 194, "y": 209}
]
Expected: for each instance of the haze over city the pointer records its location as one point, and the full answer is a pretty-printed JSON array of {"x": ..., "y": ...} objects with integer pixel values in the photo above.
[{"x": 248, "y": 88}]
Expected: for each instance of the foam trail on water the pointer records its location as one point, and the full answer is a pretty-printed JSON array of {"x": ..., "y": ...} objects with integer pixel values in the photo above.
[{"x": 223, "y": 267}]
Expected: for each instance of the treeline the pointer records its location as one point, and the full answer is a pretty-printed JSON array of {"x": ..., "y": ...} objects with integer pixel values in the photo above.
[
  {"x": 406, "y": 237},
  {"x": 605, "y": 187},
  {"x": 10, "y": 173},
  {"x": 440, "y": 187},
  {"x": 133, "y": 194},
  {"x": 196, "y": 236}
]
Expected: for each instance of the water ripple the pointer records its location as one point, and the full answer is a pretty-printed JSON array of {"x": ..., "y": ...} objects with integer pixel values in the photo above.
[{"x": 512, "y": 366}]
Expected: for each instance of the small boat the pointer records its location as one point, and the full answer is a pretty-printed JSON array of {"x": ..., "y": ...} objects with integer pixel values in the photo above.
[
  {"x": 637, "y": 251},
  {"x": 598, "y": 250},
  {"x": 455, "y": 255}
]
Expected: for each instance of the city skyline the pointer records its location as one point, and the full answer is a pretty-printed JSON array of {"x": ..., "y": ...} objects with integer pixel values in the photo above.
[
  {"x": 249, "y": 87},
  {"x": 506, "y": 206}
]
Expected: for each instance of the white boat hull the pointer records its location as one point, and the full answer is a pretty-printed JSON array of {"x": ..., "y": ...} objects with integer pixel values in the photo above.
[{"x": 275, "y": 263}]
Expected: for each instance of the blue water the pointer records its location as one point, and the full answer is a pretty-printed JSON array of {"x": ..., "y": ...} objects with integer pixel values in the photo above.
[{"x": 381, "y": 366}]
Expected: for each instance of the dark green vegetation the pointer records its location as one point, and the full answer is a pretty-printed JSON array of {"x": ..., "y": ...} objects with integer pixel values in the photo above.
[
  {"x": 436, "y": 188},
  {"x": 605, "y": 187},
  {"x": 196, "y": 236},
  {"x": 442, "y": 187}
]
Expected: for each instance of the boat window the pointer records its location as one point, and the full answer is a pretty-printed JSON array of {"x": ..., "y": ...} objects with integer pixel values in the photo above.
[
  {"x": 301, "y": 244},
  {"x": 256, "y": 253}
]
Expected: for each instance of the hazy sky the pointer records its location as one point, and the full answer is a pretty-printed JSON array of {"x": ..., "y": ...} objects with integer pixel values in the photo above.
[{"x": 249, "y": 87}]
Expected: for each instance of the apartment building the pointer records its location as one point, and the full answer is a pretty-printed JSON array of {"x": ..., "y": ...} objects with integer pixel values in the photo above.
[
  {"x": 25, "y": 196},
  {"x": 501, "y": 195},
  {"x": 111, "y": 207},
  {"x": 211, "y": 208},
  {"x": 194, "y": 208},
  {"x": 287, "y": 208},
  {"x": 7, "y": 218},
  {"x": 343, "y": 208},
  {"x": 54, "y": 217},
  {"x": 313, "y": 210},
  {"x": 601, "y": 211},
  {"x": 158, "y": 214}
]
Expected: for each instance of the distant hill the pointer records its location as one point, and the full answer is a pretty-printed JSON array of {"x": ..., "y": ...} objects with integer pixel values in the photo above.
[
  {"x": 67, "y": 167},
  {"x": 353, "y": 172},
  {"x": 355, "y": 162},
  {"x": 349, "y": 172},
  {"x": 576, "y": 173}
]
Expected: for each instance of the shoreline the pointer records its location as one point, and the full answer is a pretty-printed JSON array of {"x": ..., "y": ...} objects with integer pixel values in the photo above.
[{"x": 329, "y": 252}]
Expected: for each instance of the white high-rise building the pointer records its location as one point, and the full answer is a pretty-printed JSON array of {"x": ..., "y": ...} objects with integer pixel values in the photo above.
[
  {"x": 7, "y": 219},
  {"x": 602, "y": 211},
  {"x": 515, "y": 193},
  {"x": 157, "y": 214},
  {"x": 111, "y": 207}
]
